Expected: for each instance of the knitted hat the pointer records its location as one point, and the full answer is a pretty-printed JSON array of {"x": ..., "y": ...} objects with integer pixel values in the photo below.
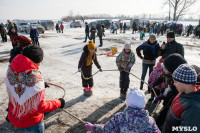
[
  {"x": 159, "y": 65},
  {"x": 127, "y": 46},
  {"x": 23, "y": 40},
  {"x": 170, "y": 34},
  {"x": 34, "y": 53},
  {"x": 185, "y": 74},
  {"x": 135, "y": 98},
  {"x": 91, "y": 45},
  {"x": 173, "y": 61}
]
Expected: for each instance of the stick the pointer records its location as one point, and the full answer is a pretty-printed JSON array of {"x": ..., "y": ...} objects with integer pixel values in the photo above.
[
  {"x": 74, "y": 116},
  {"x": 59, "y": 87}
]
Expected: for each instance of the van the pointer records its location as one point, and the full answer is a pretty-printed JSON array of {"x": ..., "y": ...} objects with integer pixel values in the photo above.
[{"x": 47, "y": 24}]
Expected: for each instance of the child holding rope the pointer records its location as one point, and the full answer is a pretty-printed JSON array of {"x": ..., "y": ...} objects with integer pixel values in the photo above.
[
  {"x": 85, "y": 66},
  {"x": 125, "y": 60},
  {"x": 154, "y": 75},
  {"x": 134, "y": 118}
]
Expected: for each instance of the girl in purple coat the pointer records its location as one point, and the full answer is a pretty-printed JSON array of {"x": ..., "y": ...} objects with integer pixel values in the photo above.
[
  {"x": 133, "y": 119},
  {"x": 153, "y": 76}
]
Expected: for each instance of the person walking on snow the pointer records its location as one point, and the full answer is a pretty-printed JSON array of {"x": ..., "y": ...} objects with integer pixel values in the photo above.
[
  {"x": 85, "y": 66},
  {"x": 134, "y": 118},
  {"x": 3, "y": 33},
  {"x": 93, "y": 33},
  {"x": 61, "y": 27},
  {"x": 150, "y": 50},
  {"x": 86, "y": 32},
  {"x": 35, "y": 33},
  {"x": 125, "y": 60},
  {"x": 25, "y": 87}
]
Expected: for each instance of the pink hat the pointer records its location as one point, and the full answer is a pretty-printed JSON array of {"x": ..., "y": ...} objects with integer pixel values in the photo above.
[{"x": 159, "y": 64}]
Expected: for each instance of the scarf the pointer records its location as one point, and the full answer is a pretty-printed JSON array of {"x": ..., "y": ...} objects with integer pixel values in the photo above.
[{"x": 89, "y": 59}]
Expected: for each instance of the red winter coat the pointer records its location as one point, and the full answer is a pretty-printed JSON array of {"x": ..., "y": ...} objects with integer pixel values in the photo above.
[
  {"x": 61, "y": 27},
  {"x": 25, "y": 87}
]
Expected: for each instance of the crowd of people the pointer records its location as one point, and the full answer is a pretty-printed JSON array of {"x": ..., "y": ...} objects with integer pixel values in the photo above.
[{"x": 172, "y": 80}]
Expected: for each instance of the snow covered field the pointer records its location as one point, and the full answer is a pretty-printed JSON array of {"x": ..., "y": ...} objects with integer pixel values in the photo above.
[{"x": 62, "y": 53}]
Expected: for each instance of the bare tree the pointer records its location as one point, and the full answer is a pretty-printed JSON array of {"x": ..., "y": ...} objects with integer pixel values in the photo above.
[{"x": 180, "y": 7}]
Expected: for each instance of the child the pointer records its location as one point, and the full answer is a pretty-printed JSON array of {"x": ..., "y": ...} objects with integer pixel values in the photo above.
[
  {"x": 154, "y": 75},
  {"x": 184, "y": 111},
  {"x": 134, "y": 118},
  {"x": 125, "y": 60},
  {"x": 142, "y": 34},
  {"x": 32, "y": 34},
  {"x": 85, "y": 66},
  {"x": 25, "y": 87}
]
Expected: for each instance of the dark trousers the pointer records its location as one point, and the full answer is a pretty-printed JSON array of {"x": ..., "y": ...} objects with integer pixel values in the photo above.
[
  {"x": 124, "y": 81},
  {"x": 101, "y": 42},
  {"x": 62, "y": 30},
  {"x": 86, "y": 36},
  {"x": 144, "y": 72},
  {"x": 87, "y": 72},
  {"x": 4, "y": 39},
  {"x": 36, "y": 42}
]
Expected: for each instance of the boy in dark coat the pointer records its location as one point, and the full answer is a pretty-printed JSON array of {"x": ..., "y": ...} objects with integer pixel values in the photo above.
[
  {"x": 92, "y": 35},
  {"x": 85, "y": 66},
  {"x": 184, "y": 111}
]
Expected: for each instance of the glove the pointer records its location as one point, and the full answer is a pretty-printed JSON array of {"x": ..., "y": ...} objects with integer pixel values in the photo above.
[
  {"x": 100, "y": 70},
  {"x": 89, "y": 126},
  {"x": 160, "y": 97},
  {"x": 62, "y": 102},
  {"x": 79, "y": 70},
  {"x": 46, "y": 85}
]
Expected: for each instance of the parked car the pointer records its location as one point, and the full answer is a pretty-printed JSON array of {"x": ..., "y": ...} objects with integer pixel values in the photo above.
[
  {"x": 21, "y": 26},
  {"x": 94, "y": 23},
  {"x": 47, "y": 24},
  {"x": 75, "y": 24},
  {"x": 40, "y": 28},
  {"x": 105, "y": 22}
]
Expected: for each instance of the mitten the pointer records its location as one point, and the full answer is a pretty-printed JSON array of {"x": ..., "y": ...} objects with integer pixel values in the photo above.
[
  {"x": 79, "y": 70},
  {"x": 62, "y": 102},
  {"x": 46, "y": 85},
  {"x": 160, "y": 97},
  {"x": 100, "y": 70},
  {"x": 89, "y": 126}
]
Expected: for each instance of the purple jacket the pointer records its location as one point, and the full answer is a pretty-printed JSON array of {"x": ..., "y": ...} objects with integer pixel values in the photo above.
[{"x": 129, "y": 121}]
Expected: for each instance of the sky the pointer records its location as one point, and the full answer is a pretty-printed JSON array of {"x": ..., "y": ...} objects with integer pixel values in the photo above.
[{"x": 56, "y": 9}]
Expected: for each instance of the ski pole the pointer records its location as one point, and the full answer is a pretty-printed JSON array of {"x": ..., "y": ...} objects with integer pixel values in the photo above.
[{"x": 74, "y": 116}]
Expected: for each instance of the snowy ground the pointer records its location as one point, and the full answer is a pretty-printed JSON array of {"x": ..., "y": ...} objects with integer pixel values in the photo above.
[{"x": 62, "y": 53}]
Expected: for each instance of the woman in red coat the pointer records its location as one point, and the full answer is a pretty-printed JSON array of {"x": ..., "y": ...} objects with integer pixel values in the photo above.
[{"x": 25, "y": 87}]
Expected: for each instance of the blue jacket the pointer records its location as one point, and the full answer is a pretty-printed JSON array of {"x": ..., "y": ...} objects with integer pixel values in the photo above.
[{"x": 150, "y": 51}]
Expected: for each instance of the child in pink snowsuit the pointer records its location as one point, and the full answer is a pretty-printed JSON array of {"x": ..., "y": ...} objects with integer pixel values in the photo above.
[{"x": 154, "y": 75}]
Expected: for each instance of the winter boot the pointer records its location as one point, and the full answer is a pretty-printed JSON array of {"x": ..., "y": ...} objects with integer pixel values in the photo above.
[{"x": 87, "y": 92}]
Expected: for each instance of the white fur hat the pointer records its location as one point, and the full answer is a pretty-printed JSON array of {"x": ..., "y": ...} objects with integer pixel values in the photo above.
[
  {"x": 135, "y": 98},
  {"x": 127, "y": 46}
]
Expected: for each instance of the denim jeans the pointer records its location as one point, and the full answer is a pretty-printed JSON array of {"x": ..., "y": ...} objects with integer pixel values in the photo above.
[
  {"x": 86, "y": 36},
  {"x": 144, "y": 72},
  {"x": 39, "y": 128},
  {"x": 101, "y": 42}
]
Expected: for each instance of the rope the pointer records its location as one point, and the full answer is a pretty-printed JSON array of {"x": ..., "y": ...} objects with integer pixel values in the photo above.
[
  {"x": 88, "y": 77},
  {"x": 59, "y": 87},
  {"x": 74, "y": 116}
]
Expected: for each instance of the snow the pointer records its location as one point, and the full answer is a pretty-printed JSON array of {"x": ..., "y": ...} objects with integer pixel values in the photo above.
[{"x": 61, "y": 55}]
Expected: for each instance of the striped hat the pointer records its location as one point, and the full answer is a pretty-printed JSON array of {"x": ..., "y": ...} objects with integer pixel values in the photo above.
[{"x": 185, "y": 74}]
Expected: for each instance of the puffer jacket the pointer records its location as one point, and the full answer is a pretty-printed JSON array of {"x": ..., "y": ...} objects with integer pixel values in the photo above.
[
  {"x": 129, "y": 121},
  {"x": 184, "y": 111},
  {"x": 25, "y": 87},
  {"x": 125, "y": 60}
]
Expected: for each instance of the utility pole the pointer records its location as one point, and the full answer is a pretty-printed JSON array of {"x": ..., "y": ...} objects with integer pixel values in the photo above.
[{"x": 169, "y": 10}]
